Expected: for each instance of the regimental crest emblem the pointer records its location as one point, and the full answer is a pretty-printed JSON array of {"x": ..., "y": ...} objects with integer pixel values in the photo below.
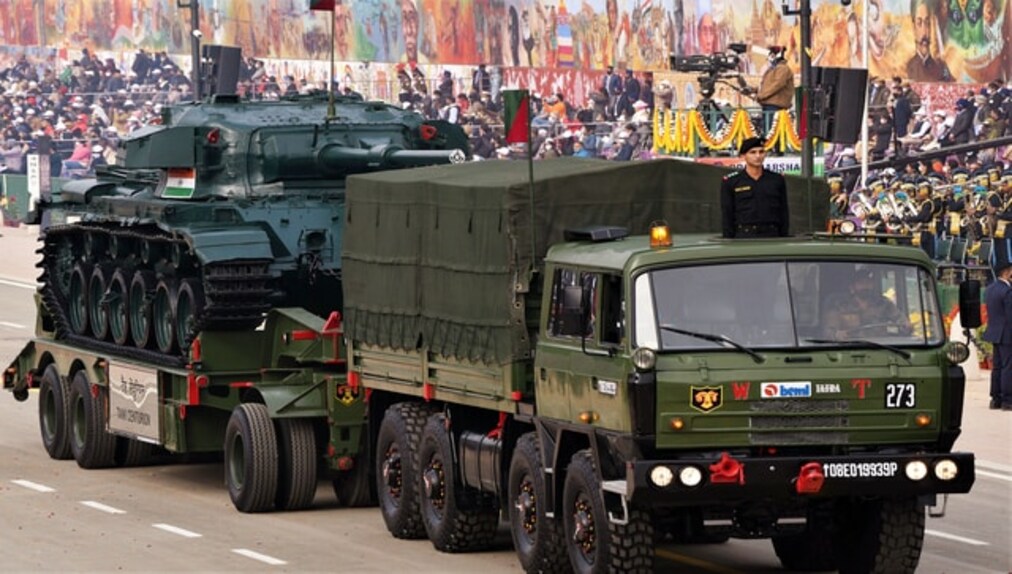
[
  {"x": 346, "y": 395},
  {"x": 706, "y": 399}
]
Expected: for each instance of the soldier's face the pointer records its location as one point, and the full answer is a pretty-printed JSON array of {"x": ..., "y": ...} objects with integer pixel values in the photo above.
[{"x": 755, "y": 156}]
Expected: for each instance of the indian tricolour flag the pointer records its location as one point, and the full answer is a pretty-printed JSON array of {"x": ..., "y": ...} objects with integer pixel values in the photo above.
[{"x": 180, "y": 183}]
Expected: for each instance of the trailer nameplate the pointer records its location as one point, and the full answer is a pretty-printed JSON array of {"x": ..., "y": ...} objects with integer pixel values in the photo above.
[{"x": 133, "y": 401}]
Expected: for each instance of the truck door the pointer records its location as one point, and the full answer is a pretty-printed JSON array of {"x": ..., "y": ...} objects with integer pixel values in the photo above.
[{"x": 578, "y": 370}]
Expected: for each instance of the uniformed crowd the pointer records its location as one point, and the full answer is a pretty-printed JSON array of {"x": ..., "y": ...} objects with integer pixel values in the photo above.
[{"x": 971, "y": 203}]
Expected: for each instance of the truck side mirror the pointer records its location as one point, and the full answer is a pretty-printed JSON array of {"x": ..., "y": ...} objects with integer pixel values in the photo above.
[
  {"x": 969, "y": 304},
  {"x": 572, "y": 310}
]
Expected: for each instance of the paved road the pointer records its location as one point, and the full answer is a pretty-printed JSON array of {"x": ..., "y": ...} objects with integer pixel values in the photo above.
[{"x": 174, "y": 517}]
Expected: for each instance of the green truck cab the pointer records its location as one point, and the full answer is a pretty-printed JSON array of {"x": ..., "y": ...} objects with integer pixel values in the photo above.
[{"x": 524, "y": 353}]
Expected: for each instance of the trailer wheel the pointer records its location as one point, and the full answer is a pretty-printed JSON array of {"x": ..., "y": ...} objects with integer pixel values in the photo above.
[
  {"x": 296, "y": 464},
  {"x": 133, "y": 452},
  {"x": 354, "y": 488},
  {"x": 54, "y": 414},
  {"x": 810, "y": 551},
  {"x": 251, "y": 458},
  {"x": 455, "y": 520},
  {"x": 537, "y": 538},
  {"x": 397, "y": 469},
  {"x": 92, "y": 446},
  {"x": 881, "y": 536},
  {"x": 594, "y": 545}
]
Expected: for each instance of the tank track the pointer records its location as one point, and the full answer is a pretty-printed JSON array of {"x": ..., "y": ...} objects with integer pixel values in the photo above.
[{"x": 232, "y": 296}]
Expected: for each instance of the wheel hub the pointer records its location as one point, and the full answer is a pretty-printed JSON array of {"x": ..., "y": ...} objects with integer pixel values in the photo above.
[
  {"x": 527, "y": 508},
  {"x": 392, "y": 471},
  {"x": 435, "y": 485},
  {"x": 584, "y": 533}
]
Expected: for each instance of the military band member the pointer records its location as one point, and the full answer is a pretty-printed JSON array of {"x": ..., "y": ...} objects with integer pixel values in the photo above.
[
  {"x": 838, "y": 201},
  {"x": 921, "y": 222},
  {"x": 1002, "y": 247}
]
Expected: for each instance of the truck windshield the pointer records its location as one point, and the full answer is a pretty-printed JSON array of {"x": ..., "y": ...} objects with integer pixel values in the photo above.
[{"x": 778, "y": 304}]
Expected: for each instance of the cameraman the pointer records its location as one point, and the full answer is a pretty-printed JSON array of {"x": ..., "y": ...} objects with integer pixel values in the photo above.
[{"x": 776, "y": 89}]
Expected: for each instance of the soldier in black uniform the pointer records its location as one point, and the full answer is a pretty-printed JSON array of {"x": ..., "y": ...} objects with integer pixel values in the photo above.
[{"x": 753, "y": 201}]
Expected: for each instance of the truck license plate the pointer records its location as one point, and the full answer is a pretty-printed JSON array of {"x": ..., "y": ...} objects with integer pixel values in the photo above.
[{"x": 900, "y": 396}]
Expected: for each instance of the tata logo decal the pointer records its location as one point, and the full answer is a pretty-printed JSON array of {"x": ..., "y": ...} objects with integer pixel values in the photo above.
[
  {"x": 706, "y": 399},
  {"x": 786, "y": 390}
]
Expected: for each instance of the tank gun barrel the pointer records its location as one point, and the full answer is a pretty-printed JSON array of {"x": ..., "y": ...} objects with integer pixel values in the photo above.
[{"x": 384, "y": 157}]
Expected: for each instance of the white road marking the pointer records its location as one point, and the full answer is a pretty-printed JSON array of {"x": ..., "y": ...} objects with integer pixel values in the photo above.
[
  {"x": 33, "y": 486},
  {"x": 996, "y": 466},
  {"x": 177, "y": 530},
  {"x": 102, "y": 507},
  {"x": 20, "y": 284},
  {"x": 994, "y": 475},
  {"x": 962, "y": 539},
  {"x": 12, "y": 325},
  {"x": 258, "y": 556}
]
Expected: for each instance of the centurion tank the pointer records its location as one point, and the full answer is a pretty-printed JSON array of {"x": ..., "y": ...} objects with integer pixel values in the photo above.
[{"x": 224, "y": 210}]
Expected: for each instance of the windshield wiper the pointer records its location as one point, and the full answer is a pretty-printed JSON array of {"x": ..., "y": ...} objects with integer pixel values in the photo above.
[
  {"x": 716, "y": 339},
  {"x": 861, "y": 343}
]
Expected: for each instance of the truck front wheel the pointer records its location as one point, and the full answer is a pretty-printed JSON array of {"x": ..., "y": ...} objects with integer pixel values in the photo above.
[
  {"x": 397, "y": 469},
  {"x": 54, "y": 414},
  {"x": 251, "y": 458},
  {"x": 595, "y": 545},
  {"x": 810, "y": 551},
  {"x": 92, "y": 446},
  {"x": 880, "y": 536},
  {"x": 456, "y": 521},
  {"x": 537, "y": 538}
]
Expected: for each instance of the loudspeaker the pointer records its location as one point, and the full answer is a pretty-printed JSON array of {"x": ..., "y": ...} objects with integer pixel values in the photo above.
[
  {"x": 221, "y": 66},
  {"x": 969, "y": 304},
  {"x": 838, "y": 103}
]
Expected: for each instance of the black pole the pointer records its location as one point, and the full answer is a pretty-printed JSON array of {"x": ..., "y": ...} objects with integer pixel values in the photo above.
[
  {"x": 195, "y": 33},
  {"x": 804, "y": 12}
]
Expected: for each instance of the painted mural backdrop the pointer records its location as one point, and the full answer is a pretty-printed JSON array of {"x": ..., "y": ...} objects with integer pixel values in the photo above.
[{"x": 933, "y": 40}]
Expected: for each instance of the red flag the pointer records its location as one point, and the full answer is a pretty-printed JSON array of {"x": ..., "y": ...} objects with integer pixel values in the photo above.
[
  {"x": 517, "y": 115},
  {"x": 327, "y": 5}
]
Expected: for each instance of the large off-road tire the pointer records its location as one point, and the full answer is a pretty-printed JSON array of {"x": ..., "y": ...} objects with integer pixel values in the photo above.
[
  {"x": 251, "y": 458},
  {"x": 54, "y": 414},
  {"x": 594, "y": 545},
  {"x": 296, "y": 464},
  {"x": 810, "y": 551},
  {"x": 536, "y": 538},
  {"x": 92, "y": 446},
  {"x": 881, "y": 536},
  {"x": 455, "y": 520},
  {"x": 397, "y": 477},
  {"x": 132, "y": 452}
]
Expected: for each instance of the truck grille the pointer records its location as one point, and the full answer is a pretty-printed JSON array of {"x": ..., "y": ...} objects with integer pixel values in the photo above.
[{"x": 772, "y": 421}]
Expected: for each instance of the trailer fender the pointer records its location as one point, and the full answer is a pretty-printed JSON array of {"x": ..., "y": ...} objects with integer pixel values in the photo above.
[{"x": 296, "y": 399}]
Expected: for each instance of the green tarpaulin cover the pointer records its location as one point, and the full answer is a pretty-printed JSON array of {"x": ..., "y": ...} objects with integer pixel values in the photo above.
[{"x": 440, "y": 258}]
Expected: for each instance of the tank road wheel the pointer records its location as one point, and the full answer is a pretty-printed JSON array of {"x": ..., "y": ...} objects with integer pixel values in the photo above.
[
  {"x": 880, "y": 536},
  {"x": 92, "y": 446},
  {"x": 163, "y": 320},
  {"x": 537, "y": 539},
  {"x": 98, "y": 311},
  {"x": 251, "y": 458},
  {"x": 455, "y": 520},
  {"x": 77, "y": 298},
  {"x": 64, "y": 256},
  {"x": 189, "y": 306},
  {"x": 142, "y": 289},
  {"x": 296, "y": 464},
  {"x": 120, "y": 247},
  {"x": 151, "y": 251},
  {"x": 810, "y": 551},
  {"x": 54, "y": 414},
  {"x": 397, "y": 468},
  {"x": 594, "y": 545},
  {"x": 94, "y": 246},
  {"x": 118, "y": 308}
]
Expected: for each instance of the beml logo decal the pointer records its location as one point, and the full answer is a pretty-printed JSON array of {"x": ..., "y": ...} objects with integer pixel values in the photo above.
[
  {"x": 786, "y": 390},
  {"x": 740, "y": 390},
  {"x": 706, "y": 399}
]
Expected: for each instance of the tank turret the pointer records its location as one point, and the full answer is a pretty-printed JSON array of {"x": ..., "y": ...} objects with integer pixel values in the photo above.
[{"x": 224, "y": 210}]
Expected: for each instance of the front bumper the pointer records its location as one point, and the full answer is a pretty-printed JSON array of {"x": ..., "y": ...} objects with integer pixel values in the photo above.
[{"x": 737, "y": 479}]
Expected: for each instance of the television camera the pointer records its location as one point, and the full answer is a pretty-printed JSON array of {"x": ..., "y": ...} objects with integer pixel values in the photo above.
[{"x": 714, "y": 68}]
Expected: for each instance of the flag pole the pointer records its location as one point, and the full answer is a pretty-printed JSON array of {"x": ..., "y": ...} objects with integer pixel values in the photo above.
[
  {"x": 331, "y": 110},
  {"x": 530, "y": 180}
]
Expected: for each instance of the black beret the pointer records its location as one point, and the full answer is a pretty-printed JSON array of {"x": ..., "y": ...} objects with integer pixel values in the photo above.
[{"x": 748, "y": 144}]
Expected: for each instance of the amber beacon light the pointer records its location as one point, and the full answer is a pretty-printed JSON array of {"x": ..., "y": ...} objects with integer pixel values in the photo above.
[{"x": 660, "y": 234}]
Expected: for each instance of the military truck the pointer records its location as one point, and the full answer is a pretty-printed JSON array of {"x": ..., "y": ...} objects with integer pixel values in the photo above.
[{"x": 547, "y": 351}]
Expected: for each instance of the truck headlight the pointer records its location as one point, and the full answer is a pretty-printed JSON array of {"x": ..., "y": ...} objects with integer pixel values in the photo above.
[
  {"x": 644, "y": 359},
  {"x": 661, "y": 476},
  {"x": 916, "y": 470},
  {"x": 957, "y": 352},
  {"x": 690, "y": 476},
  {"x": 946, "y": 469}
]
